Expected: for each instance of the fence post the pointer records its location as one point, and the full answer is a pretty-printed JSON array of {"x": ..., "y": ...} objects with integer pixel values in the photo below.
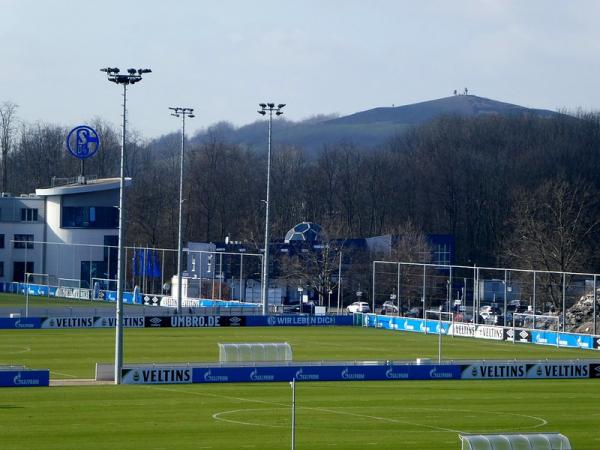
[
  {"x": 242, "y": 276},
  {"x": 339, "y": 299},
  {"x": 594, "y": 307},
  {"x": 534, "y": 298},
  {"x": 505, "y": 295},
  {"x": 373, "y": 286},
  {"x": 423, "y": 293},
  {"x": 564, "y": 297},
  {"x": 398, "y": 289}
]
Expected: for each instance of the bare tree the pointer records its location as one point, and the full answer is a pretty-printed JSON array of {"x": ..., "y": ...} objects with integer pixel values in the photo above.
[
  {"x": 554, "y": 229},
  {"x": 315, "y": 268},
  {"x": 8, "y": 111}
]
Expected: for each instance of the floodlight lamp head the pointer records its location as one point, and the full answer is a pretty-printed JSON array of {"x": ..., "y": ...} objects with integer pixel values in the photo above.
[
  {"x": 131, "y": 71},
  {"x": 278, "y": 113},
  {"x": 261, "y": 112},
  {"x": 175, "y": 115},
  {"x": 281, "y": 105},
  {"x": 191, "y": 115},
  {"x": 262, "y": 105},
  {"x": 271, "y": 105},
  {"x": 141, "y": 71}
]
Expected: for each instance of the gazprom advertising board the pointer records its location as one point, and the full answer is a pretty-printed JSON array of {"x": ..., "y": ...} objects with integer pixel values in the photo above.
[
  {"x": 24, "y": 378},
  {"x": 360, "y": 372},
  {"x": 178, "y": 375},
  {"x": 20, "y": 323}
]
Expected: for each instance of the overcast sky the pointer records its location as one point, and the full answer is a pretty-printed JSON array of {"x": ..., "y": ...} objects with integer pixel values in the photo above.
[{"x": 319, "y": 56}]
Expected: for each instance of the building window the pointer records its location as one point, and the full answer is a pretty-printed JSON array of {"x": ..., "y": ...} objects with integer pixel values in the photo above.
[
  {"x": 441, "y": 255},
  {"x": 29, "y": 214},
  {"x": 20, "y": 268},
  {"x": 23, "y": 241},
  {"x": 1, "y": 241},
  {"x": 1, "y": 268},
  {"x": 89, "y": 217}
]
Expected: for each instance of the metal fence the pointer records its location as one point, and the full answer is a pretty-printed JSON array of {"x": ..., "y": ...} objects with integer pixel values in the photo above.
[
  {"x": 215, "y": 275},
  {"x": 490, "y": 295}
]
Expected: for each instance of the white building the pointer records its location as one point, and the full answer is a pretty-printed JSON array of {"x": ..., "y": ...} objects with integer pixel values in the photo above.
[
  {"x": 68, "y": 231},
  {"x": 21, "y": 225}
]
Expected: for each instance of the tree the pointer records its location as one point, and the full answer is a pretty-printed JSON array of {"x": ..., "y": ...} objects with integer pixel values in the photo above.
[
  {"x": 8, "y": 111},
  {"x": 555, "y": 228},
  {"x": 315, "y": 267}
]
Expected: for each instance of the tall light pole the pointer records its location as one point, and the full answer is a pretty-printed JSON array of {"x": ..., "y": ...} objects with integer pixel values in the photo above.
[
  {"x": 269, "y": 108},
  {"x": 183, "y": 113},
  {"x": 133, "y": 76}
]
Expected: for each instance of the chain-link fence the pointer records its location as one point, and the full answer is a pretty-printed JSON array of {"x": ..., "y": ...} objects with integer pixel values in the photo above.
[
  {"x": 489, "y": 295},
  {"x": 207, "y": 274}
]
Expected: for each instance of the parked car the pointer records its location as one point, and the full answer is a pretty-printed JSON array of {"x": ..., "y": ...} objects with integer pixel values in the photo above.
[
  {"x": 359, "y": 307},
  {"x": 391, "y": 308},
  {"x": 415, "y": 311}
]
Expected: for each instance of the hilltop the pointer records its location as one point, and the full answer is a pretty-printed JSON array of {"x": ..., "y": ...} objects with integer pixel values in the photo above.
[{"x": 368, "y": 128}]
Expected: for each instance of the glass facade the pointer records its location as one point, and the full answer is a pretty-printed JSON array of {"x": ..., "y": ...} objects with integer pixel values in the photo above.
[
  {"x": 23, "y": 241},
  {"x": 89, "y": 217},
  {"x": 29, "y": 214}
]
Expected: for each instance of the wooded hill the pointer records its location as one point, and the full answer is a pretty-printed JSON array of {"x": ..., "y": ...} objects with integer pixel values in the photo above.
[{"x": 514, "y": 186}]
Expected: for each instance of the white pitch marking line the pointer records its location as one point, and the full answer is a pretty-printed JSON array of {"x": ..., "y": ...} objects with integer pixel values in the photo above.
[
  {"x": 64, "y": 374},
  {"x": 217, "y": 416},
  {"x": 24, "y": 348},
  {"x": 385, "y": 419}
]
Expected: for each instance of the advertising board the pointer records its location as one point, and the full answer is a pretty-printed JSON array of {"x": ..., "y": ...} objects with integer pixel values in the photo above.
[
  {"x": 244, "y": 374},
  {"x": 297, "y": 321},
  {"x": 157, "y": 375},
  {"x": 68, "y": 322},
  {"x": 20, "y": 323},
  {"x": 24, "y": 378},
  {"x": 128, "y": 322},
  {"x": 194, "y": 321}
]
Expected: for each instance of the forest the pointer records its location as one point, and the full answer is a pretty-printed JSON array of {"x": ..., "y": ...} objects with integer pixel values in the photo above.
[{"x": 518, "y": 191}]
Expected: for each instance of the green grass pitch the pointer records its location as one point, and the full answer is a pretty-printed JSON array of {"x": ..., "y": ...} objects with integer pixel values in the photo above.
[{"x": 335, "y": 415}]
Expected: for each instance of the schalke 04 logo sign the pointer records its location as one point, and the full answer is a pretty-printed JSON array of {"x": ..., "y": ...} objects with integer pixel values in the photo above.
[{"x": 83, "y": 142}]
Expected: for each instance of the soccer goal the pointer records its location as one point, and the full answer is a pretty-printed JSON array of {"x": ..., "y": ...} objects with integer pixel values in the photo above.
[
  {"x": 37, "y": 284},
  {"x": 538, "y": 322},
  {"x": 101, "y": 285},
  {"x": 71, "y": 288},
  {"x": 255, "y": 351},
  {"x": 440, "y": 327}
]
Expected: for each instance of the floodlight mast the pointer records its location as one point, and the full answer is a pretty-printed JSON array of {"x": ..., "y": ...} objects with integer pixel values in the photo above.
[
  {"x": 269, "y": 108},
  {"x": 133, "y": 76},
  {"x": 183, "y": 113}
]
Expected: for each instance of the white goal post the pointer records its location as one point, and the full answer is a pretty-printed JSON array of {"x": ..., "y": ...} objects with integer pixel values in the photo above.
[
  {"x": 542, "y": 322},
  {"x": 439, "y": 316},
  {"x": 255, "y": 351},
  {"x": 440, "y": 327},
  {"x": 40, "y": 279},
  {"x": 71, "y": 288},
  {"x": 99, "y": 285}
]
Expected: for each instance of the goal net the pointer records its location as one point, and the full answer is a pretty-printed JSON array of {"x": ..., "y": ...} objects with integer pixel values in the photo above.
[
  {"x": 71, "y": 288},
  {"x": 536, "y": 321},
  {"x": 101, "y": 285},
  {"x": 441, "y": 321},
  {"x": 37, "y": 284},
  {"x": 255, "y": 351}
]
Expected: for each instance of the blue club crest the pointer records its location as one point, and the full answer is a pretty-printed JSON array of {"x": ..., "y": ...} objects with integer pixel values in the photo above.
[{"x": 83, "y": 142}]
